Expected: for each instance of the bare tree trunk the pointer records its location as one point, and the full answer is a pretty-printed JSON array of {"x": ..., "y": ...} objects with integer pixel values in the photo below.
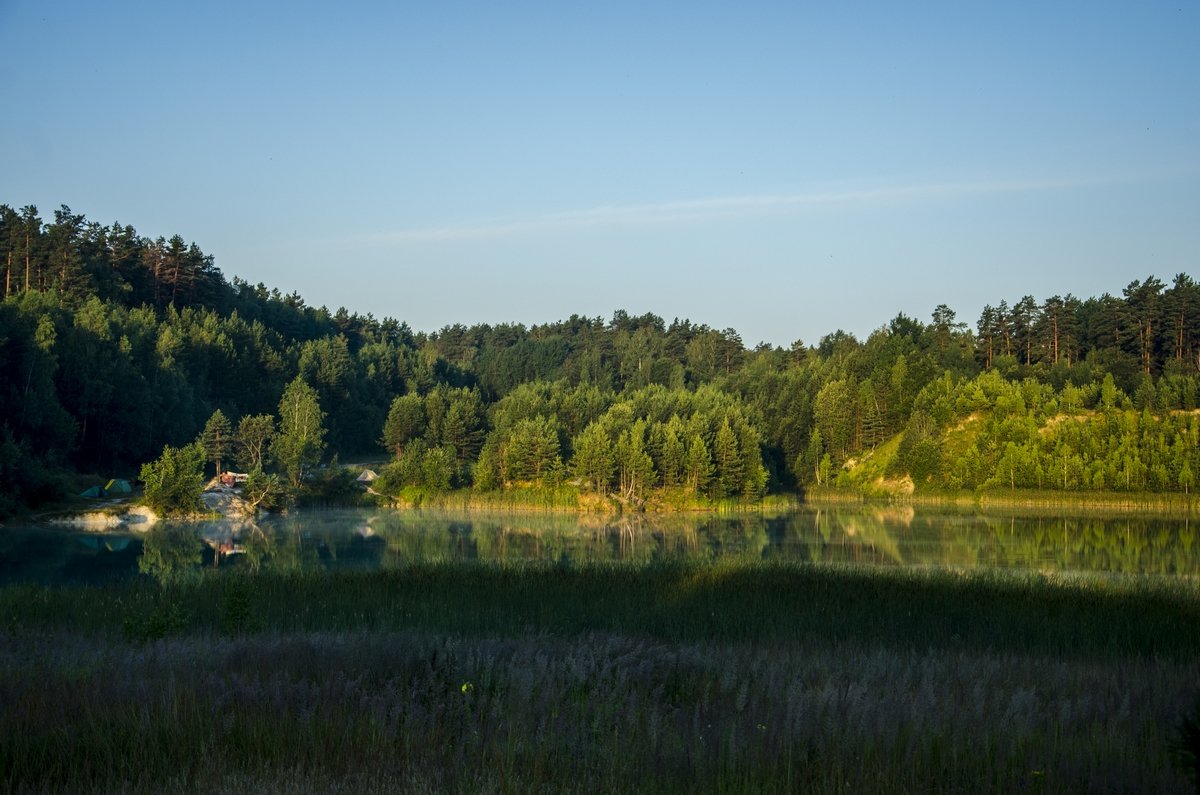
[
  {"x": 1054, "y": 327},
  {"x": 1146, "y": 347}
]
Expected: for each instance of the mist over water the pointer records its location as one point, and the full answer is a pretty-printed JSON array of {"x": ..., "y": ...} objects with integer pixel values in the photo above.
[{"x": 330, "y": 540}]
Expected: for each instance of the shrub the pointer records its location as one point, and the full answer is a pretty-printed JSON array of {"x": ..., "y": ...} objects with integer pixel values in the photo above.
[{"x": 175, "y": 480}]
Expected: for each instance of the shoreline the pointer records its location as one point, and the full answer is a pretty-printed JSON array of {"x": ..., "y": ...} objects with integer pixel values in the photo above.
[
  {"x": 584, "y": 504},
  {"x": 128, "y": 515},
  {"x": 1132, "y": 504},
  {"x": 131, "y": 516}
]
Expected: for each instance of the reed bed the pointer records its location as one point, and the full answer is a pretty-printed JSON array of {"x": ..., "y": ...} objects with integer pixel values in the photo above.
[{"x": 467, "y": 678}]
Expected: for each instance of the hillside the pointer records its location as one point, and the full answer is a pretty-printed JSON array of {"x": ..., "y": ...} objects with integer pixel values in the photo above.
[
  {"x": 988, "y": 433},
  {"x": 115, "y": 344}
]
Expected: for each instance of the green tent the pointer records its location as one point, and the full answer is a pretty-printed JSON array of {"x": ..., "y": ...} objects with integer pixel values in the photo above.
[
  {"x": 95, "y": 492},
  {"x": 118, "y": 486}
]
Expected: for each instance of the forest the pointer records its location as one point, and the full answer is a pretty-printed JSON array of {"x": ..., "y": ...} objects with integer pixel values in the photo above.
[{"x": 115, "y": 345}]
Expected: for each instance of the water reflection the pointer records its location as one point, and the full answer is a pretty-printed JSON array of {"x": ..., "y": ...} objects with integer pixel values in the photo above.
[
  {"x": 170, "y": 554},
  {"x": 856, "y": 535}
]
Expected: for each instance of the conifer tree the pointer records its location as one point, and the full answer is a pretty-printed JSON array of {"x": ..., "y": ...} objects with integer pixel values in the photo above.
[
  {"x": 699, "y": 464},
  {"x": 728, "y": 460},
  {"x": 593, "y": 462},
  {"x": 216, "y": 439},
  {"x": 405, "y": 422}
]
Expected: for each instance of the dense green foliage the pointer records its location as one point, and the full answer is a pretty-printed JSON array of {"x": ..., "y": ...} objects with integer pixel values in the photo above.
[
  {"x": 114, "y": 345},
  {"x": 175, "y": 480},
  {"x": 988, "y": 432},
  {"x": 298, "y": 445},
  {"x": 217, "y": 439}
]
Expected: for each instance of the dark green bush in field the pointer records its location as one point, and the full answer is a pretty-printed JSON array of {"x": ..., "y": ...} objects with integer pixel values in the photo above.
[
  {"x": 155, "y": 623},
  {"x": 1187, "y": 742},
  {"x": 237, "y": 608}
]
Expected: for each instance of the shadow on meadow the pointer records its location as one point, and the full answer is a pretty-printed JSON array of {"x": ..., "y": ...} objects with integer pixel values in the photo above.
[{"x": 600, "y": 679}]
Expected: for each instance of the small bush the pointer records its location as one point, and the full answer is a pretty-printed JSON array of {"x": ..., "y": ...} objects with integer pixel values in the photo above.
[
  {"x": 237, "y": 609},
  {"x": 155, "y": 624},
  {"x": 1187, "y": 743}
]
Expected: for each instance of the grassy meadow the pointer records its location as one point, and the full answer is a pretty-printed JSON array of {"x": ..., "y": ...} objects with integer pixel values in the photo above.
[{"x": 602, "y": 678}]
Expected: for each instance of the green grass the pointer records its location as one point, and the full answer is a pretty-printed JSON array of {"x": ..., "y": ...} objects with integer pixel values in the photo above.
[
  {"x": 572, "y": 499},
  {"x": 600, "y": 678},
  {"x": 563, "y": 499},
  {"x": 672, "y": 602},
  {"x": 1111, "y": 503}
]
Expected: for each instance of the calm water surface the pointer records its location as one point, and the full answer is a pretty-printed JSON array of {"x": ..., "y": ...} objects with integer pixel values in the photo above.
[{"x": 363, "y": 539}]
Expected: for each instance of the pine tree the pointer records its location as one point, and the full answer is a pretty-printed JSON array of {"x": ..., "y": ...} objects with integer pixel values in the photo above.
[
  {"x": 728, "y": 461},
  {"x": 672, "y": 454},
  {"x": 65, "y": 263},
  {"x": 1025, "y": 318},
  {"x": 216, "y": 439},
  {"x": 636, "y": 469},
  {"x": 989, "y": 328},
  {"x": 593, "y": 461},
  {"x": 405, "y": 422},
  {"x": 699, "y": 464}
]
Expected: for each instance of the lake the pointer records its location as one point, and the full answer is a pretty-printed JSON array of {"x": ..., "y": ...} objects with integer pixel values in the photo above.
[{"x": 381, "y": 539}]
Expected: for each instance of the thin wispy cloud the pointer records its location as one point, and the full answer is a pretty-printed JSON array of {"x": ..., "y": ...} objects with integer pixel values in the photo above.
[{"x": 719, "y": 208}]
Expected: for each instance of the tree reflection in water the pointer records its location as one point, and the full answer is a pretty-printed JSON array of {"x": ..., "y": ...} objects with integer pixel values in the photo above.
[
  {"x": 171, "y": 554},
  {"x": 850, "y": 535}
]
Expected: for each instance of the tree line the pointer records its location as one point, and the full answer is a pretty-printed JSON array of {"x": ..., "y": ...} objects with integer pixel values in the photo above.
[
  {"x": 704, "y": 442},
  {"x": 114, "y": 345}
]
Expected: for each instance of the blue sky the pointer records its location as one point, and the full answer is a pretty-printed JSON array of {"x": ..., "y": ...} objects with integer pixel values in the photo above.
[{"x": 785, "y": 169}]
